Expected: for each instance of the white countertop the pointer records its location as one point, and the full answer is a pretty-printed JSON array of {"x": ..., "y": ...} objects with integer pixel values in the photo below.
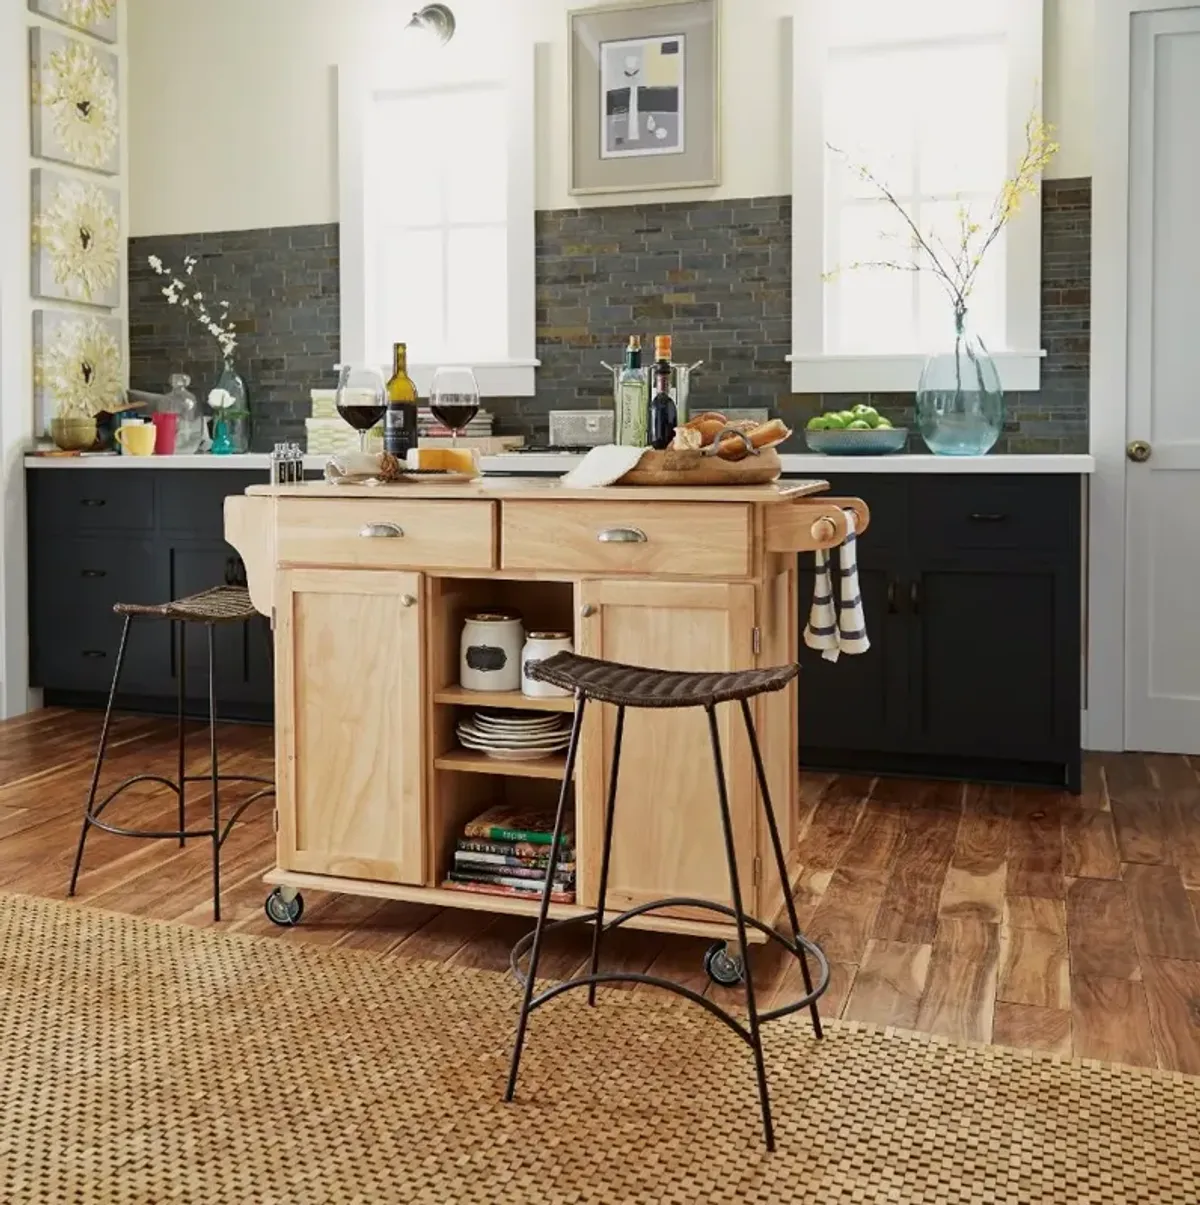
[{"x": 802, "y": 465}]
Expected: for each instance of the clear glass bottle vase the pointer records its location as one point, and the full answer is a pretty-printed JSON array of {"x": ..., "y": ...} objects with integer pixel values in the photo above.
[{"x": 960, "y": 404}]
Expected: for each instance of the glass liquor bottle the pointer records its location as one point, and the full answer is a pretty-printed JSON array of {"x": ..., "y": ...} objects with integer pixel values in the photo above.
[
  {"x": 662, "y": 407},
  {"x": 400, "y": 419},
  {"x": 633, "y": 397}
]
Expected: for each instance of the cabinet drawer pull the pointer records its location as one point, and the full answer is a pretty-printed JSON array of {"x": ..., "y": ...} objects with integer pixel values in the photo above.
[
  {"x": 985, "y": 517},
  {"x": 95, "y": 654},
  {"x": 622, "y": 535},
  {"x": 914, "y": 597},
  {"x": 891, "y": 598},
  {"x": 93, "y": 573},
  {"x": 382, "y": 531},
  {"x": 93, "y": 502}
]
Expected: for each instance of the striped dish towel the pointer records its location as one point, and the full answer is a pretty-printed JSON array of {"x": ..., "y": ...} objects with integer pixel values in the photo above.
[{"x": 842, "y": 627}]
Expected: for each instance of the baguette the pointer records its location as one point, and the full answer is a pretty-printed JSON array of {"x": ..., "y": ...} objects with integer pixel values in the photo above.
[{"x": 767, "y": 435}]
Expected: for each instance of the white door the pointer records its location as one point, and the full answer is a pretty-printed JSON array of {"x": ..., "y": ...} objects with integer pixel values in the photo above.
[{"x": 1162, "y": 538}]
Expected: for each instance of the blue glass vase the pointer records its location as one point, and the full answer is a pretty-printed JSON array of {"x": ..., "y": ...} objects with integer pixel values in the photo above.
[
  {"x": 960, "y": 405},
  {"x": 231, "y": 422}
]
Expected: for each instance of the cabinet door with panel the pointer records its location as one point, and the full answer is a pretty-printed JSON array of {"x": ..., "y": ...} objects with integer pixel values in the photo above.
[
  {"x": 348, "y": 729},
  {"x": 668, "y": 838}
]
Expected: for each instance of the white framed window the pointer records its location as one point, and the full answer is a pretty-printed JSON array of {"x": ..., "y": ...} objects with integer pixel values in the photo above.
[
  {"x": 437, "y": 221},
  {"x": 933, "y": 97}
]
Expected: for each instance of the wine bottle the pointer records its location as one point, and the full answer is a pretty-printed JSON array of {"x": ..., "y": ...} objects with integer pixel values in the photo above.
[
  {"x": 632, "y": 398},
  {"x": 400, "y": 421},
  {"x": 662, "y": 407}
]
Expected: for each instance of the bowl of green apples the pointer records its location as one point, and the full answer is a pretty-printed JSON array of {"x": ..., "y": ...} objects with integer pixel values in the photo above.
[{"x": 860, "y": 431}]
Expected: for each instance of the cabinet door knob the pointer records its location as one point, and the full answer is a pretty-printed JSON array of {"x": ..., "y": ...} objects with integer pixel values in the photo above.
[
  {"x": 891, "y": 597},
  {"x": 1138, "y": 451},
  {"x": 407, "y": 600},
  {"x": 914, "y": 597},
  {"x": 587, "y": 610},
  {"x": 622, "y": 535},
  {"x": 382, "y": 531},
  {"x": 93, "y": 573}
]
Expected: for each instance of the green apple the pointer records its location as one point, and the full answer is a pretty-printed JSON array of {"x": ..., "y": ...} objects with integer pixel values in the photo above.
[
  {"x": 868, "y": 414},
  {"x": 858, "y": 424},
  {"x": 818, "y": 423},
  {"x": 834, "y": 421},
  {"x": 883, "y": 424},
  {"x": 848, "y": 416}
]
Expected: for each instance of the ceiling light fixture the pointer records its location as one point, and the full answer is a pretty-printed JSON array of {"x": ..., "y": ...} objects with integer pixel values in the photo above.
[{"x": 435, "y": 22}]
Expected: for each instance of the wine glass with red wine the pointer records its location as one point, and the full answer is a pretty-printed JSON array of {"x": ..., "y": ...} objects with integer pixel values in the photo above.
[
  {"x": 454, "y": 399},
  {"x": 361, "y": 398}
]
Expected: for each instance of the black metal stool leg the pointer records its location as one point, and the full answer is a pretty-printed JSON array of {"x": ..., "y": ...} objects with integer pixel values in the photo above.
[
  {"x": 744, "y": 946},
  {"x": 212, "y": 750},
  {"x": 598, "y": 931},
  {"x": 780, "y": 863},
  {"x": 182, "y": 758},
  {"x": 543, "y": 911},
  {"x": 91, "y": 801}
]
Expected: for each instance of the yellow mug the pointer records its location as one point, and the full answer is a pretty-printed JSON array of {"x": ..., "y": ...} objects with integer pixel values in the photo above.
[{"x": 137, "y": 438}]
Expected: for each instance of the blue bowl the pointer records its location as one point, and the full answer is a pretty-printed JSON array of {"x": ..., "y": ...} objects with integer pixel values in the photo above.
[{"x": 879, "y": 441}]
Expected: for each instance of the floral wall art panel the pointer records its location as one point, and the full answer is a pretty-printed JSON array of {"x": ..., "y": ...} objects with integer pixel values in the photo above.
[
  {"x": 97, "y": 17},
  {"x": 75, "y": 110},
  {"x": 76, "y": 240},
  {"x": 78, "y": 364}
]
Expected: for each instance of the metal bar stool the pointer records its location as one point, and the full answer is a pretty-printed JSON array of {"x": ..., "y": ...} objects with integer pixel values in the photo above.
[
  {"x": 634, "y": 686},
  {"x": 223, "y": 604}
]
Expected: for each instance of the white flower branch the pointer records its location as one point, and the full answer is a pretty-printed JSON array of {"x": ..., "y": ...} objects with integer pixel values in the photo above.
[{"x": 223, "y": 329}]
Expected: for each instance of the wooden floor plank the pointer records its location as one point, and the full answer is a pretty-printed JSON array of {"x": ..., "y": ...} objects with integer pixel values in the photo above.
[
  {"x": 1138, "y": 815},
  {"x": 833, "y": 822},
  {"x": 1035, "y": 912},
  {"x": 1100, "y": 930},
  {"x": 974, "y": 894},
  {"x": 909, "y": 909},
  {"x": 842, "y": 921},
  {"x": 831, "y": 1005},
  {"x": 1033, "y": 968},
  {"x": 889, "y": 984},
  {"x": 982, "y": 841},
  {"x": 877, "y": 837},
  {"x": 1164, "y": 924},
  {"x": 1035, "y": 845},
  {"x": 960, "y": 989},
  {"x": 1110, "y": 1021},
  {"x": 1089, "y": 844},
  {"x": 1173, "y": 996},
  {"x": 1028, "y": 1027}
]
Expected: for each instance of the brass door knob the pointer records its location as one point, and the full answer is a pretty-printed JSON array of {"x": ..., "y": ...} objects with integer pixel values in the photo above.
[
  {"x": 408, "y": 600},
  {"x": 1138, "y": 451},
  {"x": 587, "y": 610}
]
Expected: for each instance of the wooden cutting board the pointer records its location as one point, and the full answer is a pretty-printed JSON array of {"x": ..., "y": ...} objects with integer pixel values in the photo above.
[{"x": 691, "y": 468}]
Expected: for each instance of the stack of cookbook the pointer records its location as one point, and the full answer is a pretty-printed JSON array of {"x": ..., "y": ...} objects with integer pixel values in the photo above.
[{"x": 506, "y": 851}]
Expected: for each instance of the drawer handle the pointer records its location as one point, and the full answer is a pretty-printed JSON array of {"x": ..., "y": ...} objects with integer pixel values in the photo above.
[
  {"x": 407, "y": 600},
  {"x": 93, "y": 502},
  {"x": 95, "y": 654},
  {"x": 914, "y": 597},
  {"x": 622, "y": 535},
  {"x": 985, "y": 517},
  {"x": 93, "y": 573},
  {"x": 382, "y": 531}
]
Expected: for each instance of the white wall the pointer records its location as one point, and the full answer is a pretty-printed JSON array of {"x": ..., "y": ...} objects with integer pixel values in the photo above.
[
  {"x": 16, "y": 328},
  {"x": 233, "y": 114}
]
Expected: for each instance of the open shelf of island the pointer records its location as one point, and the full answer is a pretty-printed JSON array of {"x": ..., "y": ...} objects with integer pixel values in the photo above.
[
  {"x": 512, "y": 700},
  {"x": 468, "y": 761}
]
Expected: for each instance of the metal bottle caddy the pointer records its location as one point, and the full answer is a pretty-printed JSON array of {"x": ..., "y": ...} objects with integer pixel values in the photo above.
[{"x": 681, "y": 383}]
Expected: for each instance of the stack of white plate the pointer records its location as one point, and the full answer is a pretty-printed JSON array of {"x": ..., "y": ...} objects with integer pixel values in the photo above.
[{"x": 515, "y": 735}]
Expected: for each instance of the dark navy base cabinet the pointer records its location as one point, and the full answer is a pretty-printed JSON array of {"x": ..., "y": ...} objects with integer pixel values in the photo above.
[
  {"x": 972, "y": 590},
  {"x": 107, "y": 535}
]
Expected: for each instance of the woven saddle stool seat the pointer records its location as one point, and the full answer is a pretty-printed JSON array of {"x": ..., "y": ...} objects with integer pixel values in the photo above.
[
  {"x": 221, "y": 604},
  {"x": 637, "y": 686}
]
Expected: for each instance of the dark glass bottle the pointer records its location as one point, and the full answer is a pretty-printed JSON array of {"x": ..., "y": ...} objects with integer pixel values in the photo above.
[
  {"x": 400, "y": 421},
  {"x": 663, "y": 416}
]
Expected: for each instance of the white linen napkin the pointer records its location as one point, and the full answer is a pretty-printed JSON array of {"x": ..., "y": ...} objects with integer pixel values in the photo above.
[
  {"x": 837, "y": 627},
  {"x": 604, "y": 465}
]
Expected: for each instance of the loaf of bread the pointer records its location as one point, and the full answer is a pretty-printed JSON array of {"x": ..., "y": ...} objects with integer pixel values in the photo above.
[{"x": 765, "y": 435}]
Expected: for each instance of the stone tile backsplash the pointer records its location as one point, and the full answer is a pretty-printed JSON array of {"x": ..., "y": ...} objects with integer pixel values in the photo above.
[{"x": 715, "y": 275}]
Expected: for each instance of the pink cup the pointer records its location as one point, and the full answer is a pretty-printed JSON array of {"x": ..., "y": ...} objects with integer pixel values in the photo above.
[{"x": 166, "y": 429}]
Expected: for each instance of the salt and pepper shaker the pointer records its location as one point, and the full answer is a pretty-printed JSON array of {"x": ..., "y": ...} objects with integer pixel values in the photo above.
[{"x": 287, "y": 464}]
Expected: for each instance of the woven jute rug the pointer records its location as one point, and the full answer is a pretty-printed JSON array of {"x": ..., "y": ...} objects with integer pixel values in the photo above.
[{"x": 144, "y": 1063}]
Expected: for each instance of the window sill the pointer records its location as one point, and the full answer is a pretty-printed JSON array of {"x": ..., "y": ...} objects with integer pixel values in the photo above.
[
  {"x": 497, "y": 378},
  {"x": 1019, "y": 370}
]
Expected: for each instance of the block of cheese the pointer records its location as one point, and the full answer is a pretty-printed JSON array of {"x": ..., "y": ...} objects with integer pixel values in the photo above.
[{"x": 445, "y": 460}]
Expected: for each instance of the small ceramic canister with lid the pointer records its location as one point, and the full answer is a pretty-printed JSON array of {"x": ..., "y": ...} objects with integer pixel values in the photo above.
[
  {"x": 539, "y": 647},
  {"x": 491, "y": 651}
]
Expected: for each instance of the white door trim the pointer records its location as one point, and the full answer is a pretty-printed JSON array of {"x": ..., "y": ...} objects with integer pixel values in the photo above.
[{"x": 1105, "y": 702}]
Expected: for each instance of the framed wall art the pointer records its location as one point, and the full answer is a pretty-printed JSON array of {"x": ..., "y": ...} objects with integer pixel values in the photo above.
[
  {"x": 644, "y": 93},
  {"x": 97, "y": 17},
  {"x": 78, "y": 365},
  {"x": 76, "y": 251},
  {"x": 74, "y": 102}
]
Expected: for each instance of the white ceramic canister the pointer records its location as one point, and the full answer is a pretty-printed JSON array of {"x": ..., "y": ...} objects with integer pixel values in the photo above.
[
  {"x": 540, "y": 647},
  {"x": 491, "y": 651}
]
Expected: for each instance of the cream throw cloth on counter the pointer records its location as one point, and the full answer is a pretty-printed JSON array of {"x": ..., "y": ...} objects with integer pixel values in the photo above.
[{"x": 836, "y": 627}]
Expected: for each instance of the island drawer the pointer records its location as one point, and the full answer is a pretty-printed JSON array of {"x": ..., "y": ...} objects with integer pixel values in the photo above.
[
  {"x": 696, "y": 539},
  {"x": 386, "y": 534}
]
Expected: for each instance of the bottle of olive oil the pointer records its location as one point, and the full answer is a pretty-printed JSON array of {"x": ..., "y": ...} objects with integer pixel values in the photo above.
[
  {"x": 633, "y": 398},
  {"x": 400, "y": 421}
]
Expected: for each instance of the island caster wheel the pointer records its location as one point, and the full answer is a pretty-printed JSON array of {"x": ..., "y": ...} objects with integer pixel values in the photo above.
[
  {"x": 723, "y": 967},
  {"x": 282, "y": 910}
]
